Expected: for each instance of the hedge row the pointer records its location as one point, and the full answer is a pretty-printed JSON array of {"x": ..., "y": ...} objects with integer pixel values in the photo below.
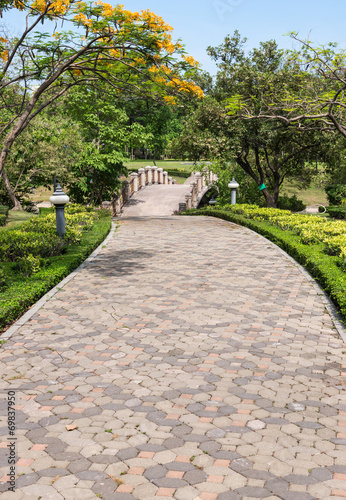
[
  {"x": 20, "y": 293},
  {"x": 337, "y": 212},
  {"x": 324, "y": 268}
]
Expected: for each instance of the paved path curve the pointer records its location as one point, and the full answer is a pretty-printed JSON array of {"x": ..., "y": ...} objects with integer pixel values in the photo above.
[{"x": 190, "y": 360}]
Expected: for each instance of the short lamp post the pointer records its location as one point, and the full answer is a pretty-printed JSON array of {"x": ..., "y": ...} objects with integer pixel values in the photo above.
[
  {"x": 233, "y": 185},
  {"x": 59, "y": 200},
  {"x": 212, "y": 201}
]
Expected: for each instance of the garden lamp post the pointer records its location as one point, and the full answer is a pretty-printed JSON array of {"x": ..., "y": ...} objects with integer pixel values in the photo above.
[
  {"x": 212, "y": 201},
  {"x": 59, "y": 200},
  {"x": 233, "y": 185}
]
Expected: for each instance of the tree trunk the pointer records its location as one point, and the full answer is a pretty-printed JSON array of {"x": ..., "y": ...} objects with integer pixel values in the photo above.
[
  {"x": 15, "y": 201},
  {"x": 270, "y": 199}
]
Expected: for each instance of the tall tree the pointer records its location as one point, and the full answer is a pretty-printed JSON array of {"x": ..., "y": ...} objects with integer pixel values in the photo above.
[
  {"x": 267, "y": 152},
  {"x": 133, "y": 52}
]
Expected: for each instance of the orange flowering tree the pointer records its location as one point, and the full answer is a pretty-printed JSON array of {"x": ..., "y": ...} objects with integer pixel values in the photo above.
[{"x": 133, "y": 52}]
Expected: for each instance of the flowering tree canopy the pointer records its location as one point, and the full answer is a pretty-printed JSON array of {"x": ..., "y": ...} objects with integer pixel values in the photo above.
[{"x": 133, "y": 52}]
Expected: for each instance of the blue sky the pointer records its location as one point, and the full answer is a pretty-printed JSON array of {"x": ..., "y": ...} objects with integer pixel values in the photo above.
[{"x": 200, "y": 23}]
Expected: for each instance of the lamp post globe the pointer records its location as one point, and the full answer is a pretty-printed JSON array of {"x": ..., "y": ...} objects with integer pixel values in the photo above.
[
  {"x": 212, "y": 201},
  {"x": 59, "y": 200},
  {"x": 233, "y": 185}
]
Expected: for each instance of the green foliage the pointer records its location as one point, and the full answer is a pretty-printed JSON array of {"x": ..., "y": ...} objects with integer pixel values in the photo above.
[
  {"x": 267, "y": 151},
  {"x": 336, "y": 193},
  {"x": 46, "y": 147},
  {"x": 291, "y": 203},
  {"x": 3, "y": 279},
  {"x": 18, "y": 243},
  {"x": 21, "y": 293},
  {"x": 326, "y": 269},
  {"x": 3, "y": 214},
  {"x": 338, "y": 212},
  {"x": 28, "y": 265},
  {"x": 247, "y": 192}
]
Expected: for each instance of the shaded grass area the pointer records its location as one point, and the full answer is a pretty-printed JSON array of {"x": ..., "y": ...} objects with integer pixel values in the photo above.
[
  {"x": 20, "y": 293},
  {"x": 16, "y": 217},
  {"x": 324, "y": 268},
  {"x": 311, "y": 196}
]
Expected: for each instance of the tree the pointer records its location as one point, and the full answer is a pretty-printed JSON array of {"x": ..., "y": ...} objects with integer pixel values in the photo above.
[
  {"x": 106, "y": 131},
  {"x": 318, "y": 101},
  {"x": 268, "y": 152},
  {"x": 132, "y": 52}
]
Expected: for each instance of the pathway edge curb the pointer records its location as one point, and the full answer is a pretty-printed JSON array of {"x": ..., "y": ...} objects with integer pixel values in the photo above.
[{"x": 46, "y": 297}]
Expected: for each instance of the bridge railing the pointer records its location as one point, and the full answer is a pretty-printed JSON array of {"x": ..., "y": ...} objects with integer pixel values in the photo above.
[{"x": 153, "y": 175}]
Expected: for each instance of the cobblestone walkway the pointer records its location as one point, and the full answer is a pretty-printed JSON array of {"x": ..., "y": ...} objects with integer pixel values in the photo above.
[{"x": 190, "y": 360}]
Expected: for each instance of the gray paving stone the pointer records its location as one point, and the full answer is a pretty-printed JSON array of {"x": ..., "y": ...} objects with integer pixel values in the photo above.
[
  {"x": 53, "y": 472},
  {"x": 195, "y": 476},
  {"x": 253, "y": 491},
  {"x": 156, "y": 472}
]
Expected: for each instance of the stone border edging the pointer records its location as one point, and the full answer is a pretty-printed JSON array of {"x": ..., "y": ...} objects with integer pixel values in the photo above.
[{"x": 6, "y": 335}]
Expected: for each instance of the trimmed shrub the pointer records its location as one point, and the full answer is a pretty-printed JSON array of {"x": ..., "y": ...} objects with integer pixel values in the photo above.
[
  {"x": 291, "y": 203},
  {"x": 338, "y": 212},
  {"x": 336, "y": 193}
]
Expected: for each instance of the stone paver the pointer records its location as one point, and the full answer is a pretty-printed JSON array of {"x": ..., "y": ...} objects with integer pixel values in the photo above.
[
  {"x": 189, "y": 360},
  {"x": 157, "y": 200}
]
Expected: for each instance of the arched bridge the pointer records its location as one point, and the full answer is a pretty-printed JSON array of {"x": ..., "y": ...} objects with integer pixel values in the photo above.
[{"x": 151, "y": 192}]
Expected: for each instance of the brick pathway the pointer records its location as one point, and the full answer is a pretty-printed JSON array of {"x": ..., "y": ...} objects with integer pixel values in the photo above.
[{"x": 190, "y": 360}]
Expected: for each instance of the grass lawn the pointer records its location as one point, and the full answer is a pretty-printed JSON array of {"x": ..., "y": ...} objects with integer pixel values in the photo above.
[
  {"x": 40, "y": 194},
  {"x": 17, "y": 217},
  {"x": 160, "y": 164},
  {"x": 310, "y": 196}
]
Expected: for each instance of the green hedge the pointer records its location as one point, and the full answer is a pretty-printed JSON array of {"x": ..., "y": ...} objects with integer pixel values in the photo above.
[
  {"x": 19, "y": 294},
  {"x": 336, "y": 193},
  {"x": 324, "y": 268},
  {"x": 338, "y": 212},
  {"x": 3, "y": 214}
]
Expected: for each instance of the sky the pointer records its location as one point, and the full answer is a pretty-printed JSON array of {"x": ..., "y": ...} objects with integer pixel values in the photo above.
[{"x": 201, "y": 23}]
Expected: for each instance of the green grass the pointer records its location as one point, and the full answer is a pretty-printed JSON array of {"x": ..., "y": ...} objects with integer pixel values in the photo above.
[
  {"x": 16, "y": 217},
  {"x": 170, "y": 164},
  {"x": 324, "y": 268},
  {"x": 311, "y": 196}
]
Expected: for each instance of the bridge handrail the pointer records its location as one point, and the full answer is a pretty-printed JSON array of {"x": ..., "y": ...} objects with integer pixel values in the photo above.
[{"x": 154, "y": 175}]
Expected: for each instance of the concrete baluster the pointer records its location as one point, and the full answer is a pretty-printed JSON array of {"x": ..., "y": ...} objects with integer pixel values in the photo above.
[
  {"x": 165, "y": 178},
  {"x": 148, "y": 169},
  {"x": 194, "y": 194},
  {"x": 126, "y": 191},
  {"x": 169, "y": 180},
  {"x": 154, "y": 175},
  {"x": 141, "y": 172},
  {"x": 159, "y": 175},
  {"x": 188, "y": 198},
  {"x": 134, "y": 176},
  {"x": 199, "y": 182}
]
